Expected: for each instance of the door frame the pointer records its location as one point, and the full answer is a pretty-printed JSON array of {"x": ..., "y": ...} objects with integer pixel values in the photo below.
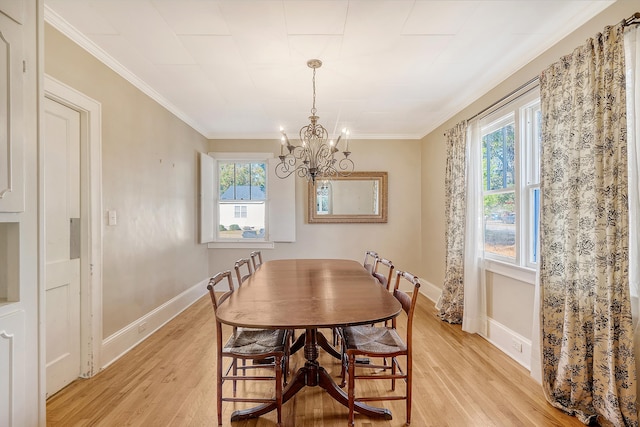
[{"x": 91, "y": 225}]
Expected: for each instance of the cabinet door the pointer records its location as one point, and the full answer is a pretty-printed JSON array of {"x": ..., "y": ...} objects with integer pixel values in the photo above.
[{"x": 11, "y": 117}]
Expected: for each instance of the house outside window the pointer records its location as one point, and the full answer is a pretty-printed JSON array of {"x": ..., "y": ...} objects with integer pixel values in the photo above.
[
  {"x": 511, "y": 181},
  {"x": 244, "y": 182}
]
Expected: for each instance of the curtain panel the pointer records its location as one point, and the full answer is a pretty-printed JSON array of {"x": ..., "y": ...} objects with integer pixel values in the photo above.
[
  {"x": 632, "y": 63},
  {"x": 451, "y": 301},
  {"x": 588, "y": 364},
  {"x": 474, "y": 319}
]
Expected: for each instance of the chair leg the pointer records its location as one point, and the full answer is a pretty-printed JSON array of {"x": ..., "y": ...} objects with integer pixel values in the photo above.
[
  {"x": 351, "y": 388},
  {"x": 343, "y": 363},
  {"x": 393, "y": 372},
  {"x": 219, "y": 389},
  {"x": 234, "y": 364},
  {"x": 409, "y": 388},
  {"x": 278, "y": 368}
]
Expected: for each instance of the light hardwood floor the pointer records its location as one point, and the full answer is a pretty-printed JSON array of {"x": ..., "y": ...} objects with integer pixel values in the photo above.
[{"x": 169, "y": 380}]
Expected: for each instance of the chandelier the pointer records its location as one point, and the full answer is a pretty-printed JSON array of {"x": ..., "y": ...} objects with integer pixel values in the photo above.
[{"x": 315, "y": 156}]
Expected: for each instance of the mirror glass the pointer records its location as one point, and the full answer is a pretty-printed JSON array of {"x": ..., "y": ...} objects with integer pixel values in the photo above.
[{"x": 359, "y": 197}]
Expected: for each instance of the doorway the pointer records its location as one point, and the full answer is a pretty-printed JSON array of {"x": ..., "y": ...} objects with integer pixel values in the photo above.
[{"x": 72, "y": 230}]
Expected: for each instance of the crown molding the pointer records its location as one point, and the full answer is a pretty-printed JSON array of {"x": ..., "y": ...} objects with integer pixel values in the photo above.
[{"x": 60, "y": 24}]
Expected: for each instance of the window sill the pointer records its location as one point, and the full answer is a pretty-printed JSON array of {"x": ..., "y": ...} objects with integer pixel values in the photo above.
[
  {"x": 241, "y": 245},
  {"x": 523, "y": 274}
]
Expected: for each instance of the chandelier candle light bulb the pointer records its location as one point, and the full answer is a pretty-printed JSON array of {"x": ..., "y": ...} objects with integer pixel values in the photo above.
[{"x": 315, "y": 156}]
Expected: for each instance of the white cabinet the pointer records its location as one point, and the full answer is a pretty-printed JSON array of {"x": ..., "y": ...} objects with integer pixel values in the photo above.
[
  {"x": 12, "y": 130},
  {"x": 12, "y": 336}
]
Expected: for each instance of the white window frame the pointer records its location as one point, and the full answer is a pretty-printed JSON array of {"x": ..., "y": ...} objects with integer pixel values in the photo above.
[
  {"x": 280, "y": 210},
  {"x": 526, "y": 158}
]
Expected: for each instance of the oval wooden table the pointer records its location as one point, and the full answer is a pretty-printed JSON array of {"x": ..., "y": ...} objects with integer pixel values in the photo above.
[{"x": 309, "y": 294}]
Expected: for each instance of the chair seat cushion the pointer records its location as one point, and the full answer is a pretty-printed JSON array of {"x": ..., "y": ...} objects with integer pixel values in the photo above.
[
  {"x": 255, "y": 341},
  {"x": 373, "y": 339}
]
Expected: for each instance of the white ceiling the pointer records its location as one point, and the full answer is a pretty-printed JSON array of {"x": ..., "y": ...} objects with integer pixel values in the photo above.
[{"x": 391, "y": 68}]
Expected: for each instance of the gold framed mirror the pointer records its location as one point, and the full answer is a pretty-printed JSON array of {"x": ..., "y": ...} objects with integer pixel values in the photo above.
[{"x": 360, "y": 197}]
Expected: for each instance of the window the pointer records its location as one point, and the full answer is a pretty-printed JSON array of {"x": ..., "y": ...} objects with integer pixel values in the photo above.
[
  {"x": 242, "y": 202},
  {"x": 240, "y": 212},
  {"x": 246, "y": 182},
  {"x": 511, "y": 181}
]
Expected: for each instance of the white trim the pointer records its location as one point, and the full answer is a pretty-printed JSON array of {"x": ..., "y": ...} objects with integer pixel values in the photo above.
[
  {"x": 239, "y": 156},
  {"x": 237, "y": 244},
  {"x": 91, "y": 280},
  {"x": 430, "y": 290},
  {"x": 56, "y": 21},
  {"x": 523, "y": 274},
  {"x": 507, "y": 340},
  {"x": 121, "y": 342}
]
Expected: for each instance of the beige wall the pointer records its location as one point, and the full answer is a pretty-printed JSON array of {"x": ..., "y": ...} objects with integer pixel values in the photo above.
[
  {"x": 433, "y": 166},
  {"x": 149, "y": 178},
  {"x": 397, "y": 240}
]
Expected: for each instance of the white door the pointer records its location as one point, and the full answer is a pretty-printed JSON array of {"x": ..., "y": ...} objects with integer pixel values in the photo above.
[{"x": 62, "y": 237}]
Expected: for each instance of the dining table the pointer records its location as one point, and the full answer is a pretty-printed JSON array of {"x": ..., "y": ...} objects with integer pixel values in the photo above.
[{"x": 309, "y": 295}]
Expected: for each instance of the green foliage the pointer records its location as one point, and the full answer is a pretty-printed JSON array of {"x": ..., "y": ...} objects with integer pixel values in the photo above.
[
  {"x": 237, "y": 174},
  {"x": 234, "y": 227},
  {"x": 498, "y": 158},
  {"x": 222, "y": 228},
  {"x": 498, "y": 203}
]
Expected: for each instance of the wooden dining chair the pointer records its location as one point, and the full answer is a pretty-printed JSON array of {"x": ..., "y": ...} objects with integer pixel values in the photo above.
[
  {"x": 243, "y": 272},
  {"x": 382, "y": 342},
  {"x": 370, "y": 258},
  {"x": 256, "y": 259},
  {"x": 239, "y": 266},
  {"x": 248, "y": 345},
  {"x": 383, "y": 271}
]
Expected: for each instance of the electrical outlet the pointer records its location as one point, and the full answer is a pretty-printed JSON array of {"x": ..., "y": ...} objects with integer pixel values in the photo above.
[
  {"x": 142, "y": 327},
  {"x": 516, "y": 345}
]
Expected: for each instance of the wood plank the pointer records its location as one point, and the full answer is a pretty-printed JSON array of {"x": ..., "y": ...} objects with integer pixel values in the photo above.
[{"x": 169, "y": 380}]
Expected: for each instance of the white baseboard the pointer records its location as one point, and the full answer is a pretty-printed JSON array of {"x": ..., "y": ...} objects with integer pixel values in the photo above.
[
  {"x": 430, "y": 290},
  {"x": 119, "y": 343},
  {"x": 513, "y": 344}
]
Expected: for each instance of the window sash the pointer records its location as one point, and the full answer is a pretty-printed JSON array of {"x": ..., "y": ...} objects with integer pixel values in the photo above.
[{"x": 524, "y": 114}]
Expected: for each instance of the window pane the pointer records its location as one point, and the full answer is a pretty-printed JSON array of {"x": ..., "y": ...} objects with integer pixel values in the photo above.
[
  {"x": 535, "y": 227},
  {"x": 258, "y": 181},
  {"x": 537, "y": 143},
  {"x": 227, "y": 181},
  {"x": 498, "y": 156},
  {"x": 242, "y": 221},
  {"x": 500, "y": 224},
  {"x": 243, "y": 181}
]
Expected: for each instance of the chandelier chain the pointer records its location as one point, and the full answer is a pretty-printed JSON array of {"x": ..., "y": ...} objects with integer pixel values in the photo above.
[{"x": 313, "y": 108}]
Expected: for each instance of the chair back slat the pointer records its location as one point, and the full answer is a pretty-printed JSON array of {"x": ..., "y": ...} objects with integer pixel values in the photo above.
[
  {"x": 211, "y": 287},
  {"x": 369, "y": 262},
  {"x": 243, "y": 264},
  {"x": 256, "y": 259},
  {"x": 383, "y": 271},
  {"x": 408, "y": 302}
]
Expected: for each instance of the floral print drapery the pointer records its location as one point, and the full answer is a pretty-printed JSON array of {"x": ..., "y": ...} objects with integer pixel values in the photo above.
[
  {"x": 588, "y": 364},
  {"x": 451, "y": 302}
]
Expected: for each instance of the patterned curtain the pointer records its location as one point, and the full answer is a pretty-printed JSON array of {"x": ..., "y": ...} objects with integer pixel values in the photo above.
[
  {"x": 451, "y": 302},
  {"x": 588, "y": 363}
]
